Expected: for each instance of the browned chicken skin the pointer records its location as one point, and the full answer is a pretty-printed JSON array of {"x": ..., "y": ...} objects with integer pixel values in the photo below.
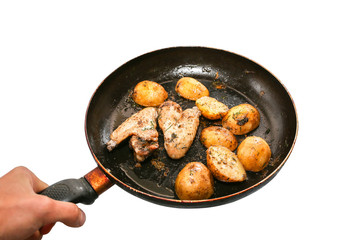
[
  {"x": 142, "y": 148},
  {"x": 179, "y": 127},
  {"x": 142, "y": 127}
]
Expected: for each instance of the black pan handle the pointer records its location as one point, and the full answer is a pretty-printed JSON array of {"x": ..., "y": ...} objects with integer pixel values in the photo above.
[
  {"x": 83, "y": 190},
  {"x": 71, "y": 190}
]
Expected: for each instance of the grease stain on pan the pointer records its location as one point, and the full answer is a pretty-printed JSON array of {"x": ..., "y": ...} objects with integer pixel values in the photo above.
[{"x": 146, "y": 184}]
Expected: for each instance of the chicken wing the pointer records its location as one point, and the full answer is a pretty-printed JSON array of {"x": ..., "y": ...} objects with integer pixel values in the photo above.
[
  {"x": 168, "y": 114},
  {"x": 179, "y": 128},
  {"x": 142, "y": 148},
  {"x": 142, "y": 126}
]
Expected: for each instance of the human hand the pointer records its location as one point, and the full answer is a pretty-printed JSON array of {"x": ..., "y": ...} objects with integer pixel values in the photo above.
[{"x": 26, "y": 215}]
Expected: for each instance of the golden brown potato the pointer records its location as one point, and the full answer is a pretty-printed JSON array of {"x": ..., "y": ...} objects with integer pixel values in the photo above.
[
  {"x": 241, "y": 119},
  {"x": 191, "y": 89},
  {"x": 214, "y": 136},
  {"x": 194, "y": 182},
  {"x": 211, "y": 108},
  {"x": 149, "y": 94},
  {"x": 254, "y": 153},
  {"x": 224, "y": 165}
]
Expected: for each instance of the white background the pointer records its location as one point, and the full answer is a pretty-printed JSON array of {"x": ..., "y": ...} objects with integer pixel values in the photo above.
[{"x": 54, "y": 55}]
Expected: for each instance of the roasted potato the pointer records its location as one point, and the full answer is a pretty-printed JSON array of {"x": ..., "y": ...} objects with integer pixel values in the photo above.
[
  {"x": 254, "y": 153},
  {"x": 241, "y": 119},
  {"x": 224, "y": 165},
  {"x": 211, "y": 108},
  {"x": 194, "y": 182},
  {"x": 149, "y": 94},
  {"x": 213, "y": 136},
  {"x": 191, "y": 89}
]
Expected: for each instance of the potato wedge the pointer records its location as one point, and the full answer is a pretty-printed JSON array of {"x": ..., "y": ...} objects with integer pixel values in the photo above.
[
  {"x": 224, "y": 165},
  {"x": 211, "y": 108},
  {"x": 191, "y": 89},
  {"x": 194, "y": 182},
  {"x": 241, "y": 119},
  {"x": 214, "y": 136},
  {"x": 254, "y": 153},
  {"x": 149, "y": 94}
]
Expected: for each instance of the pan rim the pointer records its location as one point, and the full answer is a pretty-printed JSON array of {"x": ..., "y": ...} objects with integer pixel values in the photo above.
[{"x": 193, "y": 203}]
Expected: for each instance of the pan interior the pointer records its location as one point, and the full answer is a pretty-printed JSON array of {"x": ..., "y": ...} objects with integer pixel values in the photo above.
[{"x": 230, "y": 79}]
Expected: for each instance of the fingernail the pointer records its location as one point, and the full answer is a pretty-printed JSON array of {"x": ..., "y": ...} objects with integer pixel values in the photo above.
[{"x": 82, "y": 218}]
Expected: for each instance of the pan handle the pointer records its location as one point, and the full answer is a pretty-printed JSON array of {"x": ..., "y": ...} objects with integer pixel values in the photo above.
[
  {"x": 83, "y": 190},
  {"x": 71, "y": 190}
]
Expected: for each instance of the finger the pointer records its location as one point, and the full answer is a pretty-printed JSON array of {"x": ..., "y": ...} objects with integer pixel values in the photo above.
[
  {"x": 46, "y": 228},
  {"x": 70, "y": 214},
  {"x": 65, "y": 212},
  {"x": 36, "y": 236},
  {"x": 27, "y": 176},
  {"x": 37, "y": 184}
]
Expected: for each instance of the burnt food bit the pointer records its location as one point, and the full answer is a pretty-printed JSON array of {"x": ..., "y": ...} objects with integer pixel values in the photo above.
[{"x": 242, "y": 121}]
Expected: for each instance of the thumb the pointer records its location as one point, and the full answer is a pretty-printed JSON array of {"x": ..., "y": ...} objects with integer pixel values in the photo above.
[{"x": 68, "y": 213}]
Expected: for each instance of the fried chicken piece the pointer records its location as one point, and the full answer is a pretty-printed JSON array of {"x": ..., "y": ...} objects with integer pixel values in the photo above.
[
  {"x": 168, "y": 114},
  {"x": 179, "y": 128},
  {"x": 142, "y": 148},
  {"x": 142, "y": 126}
]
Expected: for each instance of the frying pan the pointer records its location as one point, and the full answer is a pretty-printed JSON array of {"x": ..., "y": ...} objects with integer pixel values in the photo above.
[{"x": 230, "y": 78}]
